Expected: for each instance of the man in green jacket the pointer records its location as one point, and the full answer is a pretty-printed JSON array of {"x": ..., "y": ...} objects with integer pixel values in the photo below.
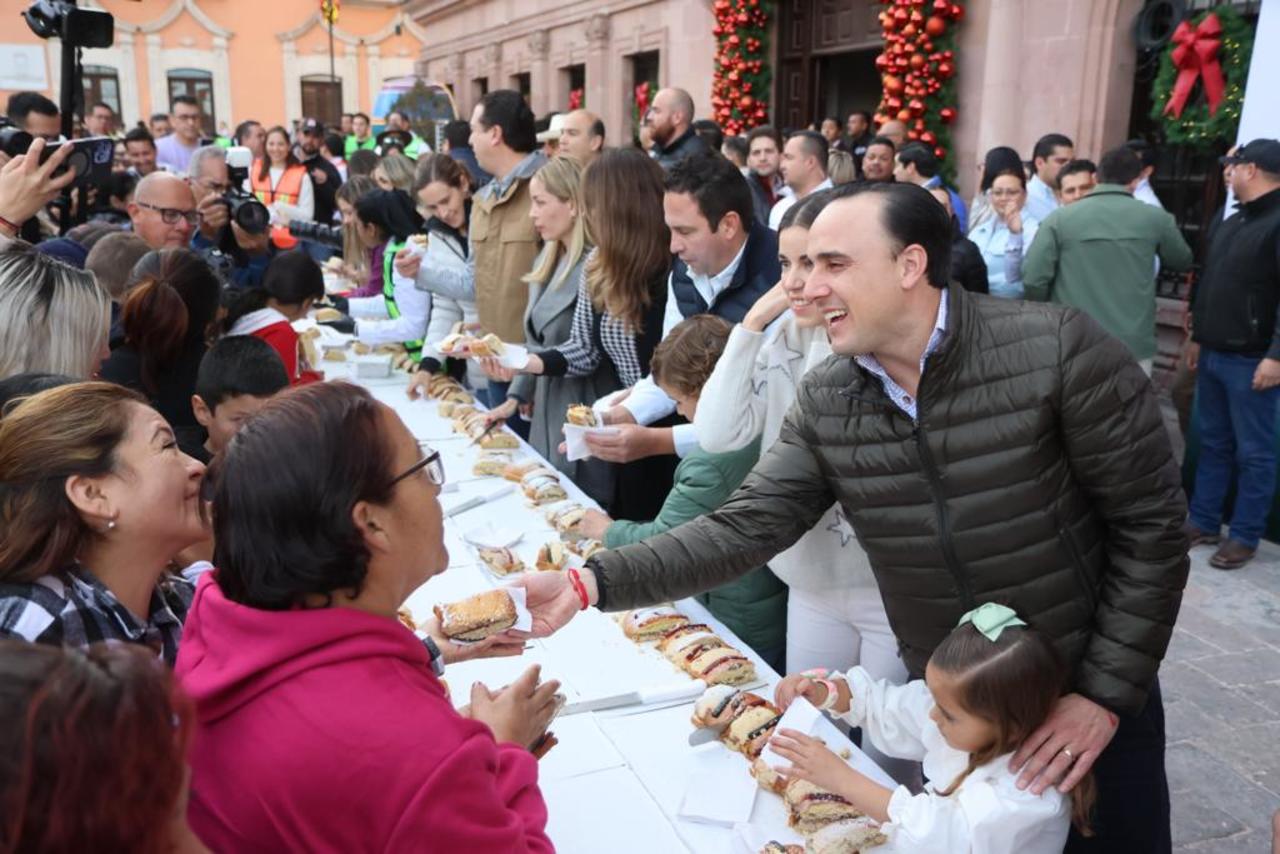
[
  {"x": 754, "y": 606},
  {"x": 984, "y": 450},
  {"x": 1099, "y": 255}
]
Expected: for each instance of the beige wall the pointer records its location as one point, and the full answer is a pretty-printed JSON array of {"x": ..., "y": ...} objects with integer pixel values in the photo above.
[{"x": 500, "y": 39}]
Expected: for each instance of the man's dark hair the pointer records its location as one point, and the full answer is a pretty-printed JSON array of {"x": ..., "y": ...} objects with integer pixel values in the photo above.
[
  {"x": 242, "y": 130},
  {"x": 806, "y": 210},
  {"x": 157, "y": 117},
  {"x": 96, "y": 104},
  {"x": 364, "y": 116},
  {"x": 814, "y": 144},
  {"x": 140, "y": 134},
  {"x": 362, "y": 162},
  {"x": 333, "y": 142},
  {"x": 883, "y": 140},
  {"x": 716, "y": 185},
  {"x": 865, "y": 115},
  {"x": 597, "y": 128},
  {"x": 283, "y": 539},
  {"x": 348, "y": 115},
  {"x": 399, "y": 113},
  {"x": 1076, "y": 167},
  {"x": 910, "y": 215},
  {"x": 1120, "y": 165},
  {"x": 236, "y": 365},
  {"x": 183, "y": 99},
  {"x": 765, "y": 130},
  {"x": 738, "y": 146},
  {"x": 1146, "y": 152},
  {"x": 508, "y": 110},
  {"x": 1047, "y": 143},
  {"x": 458, "y": 134},
  {"x": 710, "y": 132},
  {"x": 392, "y": 211},
  {"x": 922, "y": 157},
  {"x": 23, "y": 104}
]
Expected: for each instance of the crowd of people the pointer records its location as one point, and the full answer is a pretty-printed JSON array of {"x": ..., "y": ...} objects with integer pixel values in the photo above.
[{"x": 902, "y": 443}]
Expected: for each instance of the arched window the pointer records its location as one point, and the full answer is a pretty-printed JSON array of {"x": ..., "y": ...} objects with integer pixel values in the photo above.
[
  {"x": 199, "y": 85},
  {"x": 101, "y": 84}
]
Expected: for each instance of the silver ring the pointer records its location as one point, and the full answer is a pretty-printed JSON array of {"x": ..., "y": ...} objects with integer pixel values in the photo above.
[{"x": 1068, "y": 752}]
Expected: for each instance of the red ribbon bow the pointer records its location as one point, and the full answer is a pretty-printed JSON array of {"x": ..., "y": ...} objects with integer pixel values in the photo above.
[{"x": 1197, "y": 56}]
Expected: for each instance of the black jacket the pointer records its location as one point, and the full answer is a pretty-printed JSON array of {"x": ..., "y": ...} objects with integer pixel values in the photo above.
[
  {"x": 758, "y": 271},
  {"x": 1039, "y": 475},
  {"x": 967, "y": 266},
  {"x": 686, "y": 144},
  {"x": 1238, "y": 295}
]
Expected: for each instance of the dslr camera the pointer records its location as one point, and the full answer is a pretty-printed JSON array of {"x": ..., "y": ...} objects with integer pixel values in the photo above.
[
  {"x": 317, "y": 232},
  {"x": 246, "y": 211}
]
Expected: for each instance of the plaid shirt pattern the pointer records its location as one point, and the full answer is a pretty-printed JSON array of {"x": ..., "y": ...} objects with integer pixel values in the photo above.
[
  {"x": 897, "y": 393},
  {"x": 616, "y": 338},
  {"x": 74, "y": 608}
]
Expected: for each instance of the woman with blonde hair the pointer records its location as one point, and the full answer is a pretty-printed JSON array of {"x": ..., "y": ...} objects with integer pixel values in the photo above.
[
  {"x": 840, "y": 167},
  {"x": 53, "y": 317},
  {"x": 554, "y": 283},
  {"x": 97, "y": 500},
  {"x": 622, "y": 295},
  {"x": 358, "y": 263},
  {"x": 394, "y": 172}
]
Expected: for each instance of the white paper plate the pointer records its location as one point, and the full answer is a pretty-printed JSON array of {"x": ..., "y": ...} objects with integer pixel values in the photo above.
[
  {"x": 491, "y": 536},
  {"x": 514, "y": 356}
]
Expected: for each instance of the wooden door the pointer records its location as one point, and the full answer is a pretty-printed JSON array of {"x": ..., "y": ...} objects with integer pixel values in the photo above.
[{"x": 322, "y": 100}]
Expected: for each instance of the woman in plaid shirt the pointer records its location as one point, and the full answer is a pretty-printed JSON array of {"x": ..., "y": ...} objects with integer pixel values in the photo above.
[{"x": 96, "y": 499}]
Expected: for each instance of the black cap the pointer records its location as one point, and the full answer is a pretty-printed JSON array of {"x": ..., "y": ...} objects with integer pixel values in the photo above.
[
  {"x": 312, "y": 126},
  {"x": 397, "y": 138},
  {"x": 1263, "y": 153}
]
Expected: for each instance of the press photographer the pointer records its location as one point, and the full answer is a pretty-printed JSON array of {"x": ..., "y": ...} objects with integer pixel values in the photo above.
[{"x": 230, "y": 220}]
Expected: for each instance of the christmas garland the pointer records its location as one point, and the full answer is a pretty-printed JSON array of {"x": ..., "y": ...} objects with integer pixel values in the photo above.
[
  {"x": 918, "y": 71},
  {"x": 1208, "y": 59},
  {"x": 740, "y": 82}
]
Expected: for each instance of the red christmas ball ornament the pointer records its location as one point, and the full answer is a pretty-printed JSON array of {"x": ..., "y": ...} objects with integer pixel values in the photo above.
[
  {"x": 957, "y": 11},
  {"x": 918, "y": 126},
  {"x": 916, "y": 106},
  {"x": 901, "y": 15},
  {"x": 735, "y": 40},
  {"x": 882, "y": 62},
  {"x": 947, "y": 114},
  {"x": 909, "y": 30},
  {"x": 911, "y": 134},
  {"x": 940, "y": 152},
  {"x": 746, "y": 87},
  {"x": 928, "y": 137},
  {"x": 734, "y": 76},
  {"x": 741, "y": 18},
  {"x": 945, "y": 70},
  {"x": 918, "y": 61},
  {"x": 892, "y": 85},
  {"x": 935, "y": 26},
  {"x": 942, "y": 7},
  {"x": 904, "y": 115},
  {"x": 926, "y": 46},
  {"x": 893, "y": 102},
  {"x": 715, "y": 31},
  {"x": 916, "y": 17},
  {"x": 746, "y": 102},
  {"x": 948, "y": 55}
]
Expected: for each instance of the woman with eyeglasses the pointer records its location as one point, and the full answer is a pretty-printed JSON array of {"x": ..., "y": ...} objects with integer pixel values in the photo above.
[
  {"x": 309, "y": 689},
  {"x": 1004, "y": 238},
  {"x": 97, "y": 501},
  {"x": 168, "y": 320}
]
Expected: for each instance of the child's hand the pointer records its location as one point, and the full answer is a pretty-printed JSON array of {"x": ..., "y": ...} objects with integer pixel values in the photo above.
[
  {"x": 798, "y": 685},
  {"x": 813, "y": 761}
]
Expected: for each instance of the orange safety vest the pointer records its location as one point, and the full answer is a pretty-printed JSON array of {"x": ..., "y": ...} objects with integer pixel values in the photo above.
[{"x": 288, "y": 190}]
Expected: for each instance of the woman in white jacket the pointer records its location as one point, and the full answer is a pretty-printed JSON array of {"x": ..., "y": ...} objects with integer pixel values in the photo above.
[
  {"x": 835, "y": 616},
  {"x": 399, "y": 314}
]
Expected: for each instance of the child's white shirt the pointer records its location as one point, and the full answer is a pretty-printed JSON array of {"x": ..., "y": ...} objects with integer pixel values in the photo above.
[{"x": 987, "y": 814}]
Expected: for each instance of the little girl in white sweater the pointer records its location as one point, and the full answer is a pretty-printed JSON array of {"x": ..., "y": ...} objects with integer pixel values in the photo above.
[{"x": 987, "y": 687}]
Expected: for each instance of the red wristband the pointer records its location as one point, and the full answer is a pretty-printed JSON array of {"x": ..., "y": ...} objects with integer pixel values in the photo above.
[
  {"x": 15, "y": 227},
  {"x": 578, "y": 587}
]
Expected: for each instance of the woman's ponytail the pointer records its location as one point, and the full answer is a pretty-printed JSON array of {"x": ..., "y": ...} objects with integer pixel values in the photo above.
[{"x": 155, "y": 322}]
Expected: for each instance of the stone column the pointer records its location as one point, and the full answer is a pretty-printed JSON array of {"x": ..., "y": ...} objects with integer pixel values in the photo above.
[
  {"x": 456, "y": 76},
  {"x": 159, "y": 86},
  {"x": 222, "y": 105},
  {"x": 373, "y": 68},
  {"x": 540, "y": 83},
  {"x": 602, "y": 91},
  {"x": 492, "y": 66}
]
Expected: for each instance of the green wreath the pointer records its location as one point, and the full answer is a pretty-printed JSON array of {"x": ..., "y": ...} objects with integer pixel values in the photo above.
[{"x": 1196, "y": 127}]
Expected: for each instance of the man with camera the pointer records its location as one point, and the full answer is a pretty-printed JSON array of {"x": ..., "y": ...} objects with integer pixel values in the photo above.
[{"x": 215, "y": 194}]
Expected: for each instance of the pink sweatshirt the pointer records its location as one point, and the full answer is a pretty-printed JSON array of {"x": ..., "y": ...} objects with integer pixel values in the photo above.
[{"x": 326, "y": 730}]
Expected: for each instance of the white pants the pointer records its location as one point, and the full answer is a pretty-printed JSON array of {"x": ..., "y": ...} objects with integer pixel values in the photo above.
[{"x": 838, "y": 629}]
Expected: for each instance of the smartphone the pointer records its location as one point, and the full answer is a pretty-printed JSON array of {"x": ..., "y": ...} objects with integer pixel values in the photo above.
[{"x": 90, "y": 159}]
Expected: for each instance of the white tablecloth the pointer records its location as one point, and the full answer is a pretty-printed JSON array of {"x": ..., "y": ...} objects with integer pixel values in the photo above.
[{"x": 616, "y": 780}]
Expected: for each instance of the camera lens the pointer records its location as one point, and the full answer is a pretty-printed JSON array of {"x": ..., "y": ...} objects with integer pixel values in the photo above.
[
  {"x": 78, "y": 163},
  {"x": 14, "y": 141}
]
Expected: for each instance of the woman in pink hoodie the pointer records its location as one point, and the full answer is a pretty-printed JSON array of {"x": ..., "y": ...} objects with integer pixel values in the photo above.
[{"x": 323, "y": 723}]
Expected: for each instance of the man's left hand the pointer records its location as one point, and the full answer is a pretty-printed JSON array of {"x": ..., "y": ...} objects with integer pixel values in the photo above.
[
  {"x": 318, "y": 176},
  {"x": 1267, "y": 375},
  {"x": 594, "y": 524},
  {"x": 631, "y": 442},
  {"x": 1065, "y": 746}
]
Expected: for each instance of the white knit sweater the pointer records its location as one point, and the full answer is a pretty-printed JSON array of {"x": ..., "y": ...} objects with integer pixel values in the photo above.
[{"x": 748, "y": 395}]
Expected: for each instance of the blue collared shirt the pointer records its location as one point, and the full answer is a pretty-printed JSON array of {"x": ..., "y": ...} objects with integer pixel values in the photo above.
[
  {"x": 1041, "y": 200},
  {"x": 897, "y": 393}
]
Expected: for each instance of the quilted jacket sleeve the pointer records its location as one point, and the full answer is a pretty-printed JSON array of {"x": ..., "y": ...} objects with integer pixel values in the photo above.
[
  {"x": 783, "y": 496},
  {"x": 1120, "y": 456}
]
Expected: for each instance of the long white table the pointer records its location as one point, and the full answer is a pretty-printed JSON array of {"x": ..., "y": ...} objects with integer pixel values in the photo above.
[{"x": 617, "y": 777}]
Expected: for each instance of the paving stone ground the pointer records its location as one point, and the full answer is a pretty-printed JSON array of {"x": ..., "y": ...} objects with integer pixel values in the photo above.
[{"x": 1221, "y": 685}]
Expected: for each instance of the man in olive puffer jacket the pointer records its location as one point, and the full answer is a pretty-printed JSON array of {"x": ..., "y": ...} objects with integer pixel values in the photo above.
[{"x": 989, "y": 450}]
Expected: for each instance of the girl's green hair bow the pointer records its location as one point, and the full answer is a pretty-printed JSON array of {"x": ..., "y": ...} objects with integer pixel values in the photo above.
[{"x": 991, "y": 619}]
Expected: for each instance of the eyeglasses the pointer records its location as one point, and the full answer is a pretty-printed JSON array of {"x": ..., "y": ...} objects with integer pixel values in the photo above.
[
  {"x": 431, "y": 462},
  {"x": 186, "y": 117},
  {"x": 171, "y": 215}
]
